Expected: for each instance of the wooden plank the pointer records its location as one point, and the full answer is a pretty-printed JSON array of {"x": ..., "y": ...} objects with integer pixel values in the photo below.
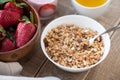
[
  {"x": 109, "y": 69},
  {"x": 111, "y": 16},
  {"x": 115, "y": 3},
  {"x": 33, "y": 62},
  {"x": 49, "y": 69}
]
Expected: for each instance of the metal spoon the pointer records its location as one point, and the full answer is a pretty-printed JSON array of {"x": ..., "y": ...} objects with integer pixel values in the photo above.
[{"x": 91, "y": 40}]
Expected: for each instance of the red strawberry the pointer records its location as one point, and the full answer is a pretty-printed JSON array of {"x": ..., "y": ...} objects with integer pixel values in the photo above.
[
  {"x": 6, "y": 45},
  {"x": 8, "y": 18},
  {"x": 24, "y": 32},
  {"x": 47, "y": 10},
  {"x": 11, "y": 6}
]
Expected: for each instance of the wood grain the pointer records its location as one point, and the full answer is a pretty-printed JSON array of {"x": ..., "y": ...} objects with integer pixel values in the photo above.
[
  {"x": 32, "y": 62},
  {"x": 49, "y": 69},
  {"x": 109, "y": 69}
]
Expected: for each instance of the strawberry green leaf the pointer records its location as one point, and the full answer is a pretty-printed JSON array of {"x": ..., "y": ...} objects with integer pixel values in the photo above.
[
  {"x": 31, "y": 17},
  {"x": 26, "y": 19},
  {"x": 14, "y": 1},
  {"x": 9, "y": 35},
  {"x": 3, "y": 32},
  {"x": 1, "y": 6},
  {"x": 4, "y": 1},
  {"x": 21, "y": 5},
  {"x": 11, "y": 29}
]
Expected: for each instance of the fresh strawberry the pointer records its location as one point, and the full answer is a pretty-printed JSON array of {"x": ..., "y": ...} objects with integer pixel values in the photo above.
[
  {"x": 6, "y": 45},
  {"x": 24, "y": 32},
  {"x": 11, "y": 6},
  {"x": 8, "y": 18},
  {"x": 2, "y": 33},
  {"x": 47, "y": 10}
]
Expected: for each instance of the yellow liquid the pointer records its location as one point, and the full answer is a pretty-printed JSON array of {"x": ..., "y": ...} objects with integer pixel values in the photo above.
[{"x": 91, "y": 3}]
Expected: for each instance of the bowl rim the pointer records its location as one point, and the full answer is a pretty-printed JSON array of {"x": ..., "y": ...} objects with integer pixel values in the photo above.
[
  {"x": 41, "y": 3},
  {"x": 68, "y": 68},
  {"x": 80, "y": 5},
  {"x": 37, "y": 30}
]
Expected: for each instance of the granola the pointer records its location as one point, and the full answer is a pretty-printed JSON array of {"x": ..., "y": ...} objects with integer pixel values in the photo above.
[{"x": 69, "y": 46}]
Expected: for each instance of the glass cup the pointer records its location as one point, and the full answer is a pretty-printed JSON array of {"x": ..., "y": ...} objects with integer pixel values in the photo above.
[{"x": 45, "y": 8}]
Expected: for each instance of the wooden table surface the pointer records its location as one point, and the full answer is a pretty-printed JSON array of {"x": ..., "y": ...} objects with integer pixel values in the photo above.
[{"x": 36, "y": 65}]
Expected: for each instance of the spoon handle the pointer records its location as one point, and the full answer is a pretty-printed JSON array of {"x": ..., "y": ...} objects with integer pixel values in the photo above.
[
  {"x": 108, "y": 30},
  {"x": 111, "y": 29}
]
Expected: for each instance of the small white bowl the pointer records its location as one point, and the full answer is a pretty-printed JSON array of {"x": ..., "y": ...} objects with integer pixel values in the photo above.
[
  {"x": 92, "y": 12},
  {"x": 79, "y": 21}
]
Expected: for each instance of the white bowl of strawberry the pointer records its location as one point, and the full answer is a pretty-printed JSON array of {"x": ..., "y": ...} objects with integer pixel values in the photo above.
[{"x": 19, "y": 29}]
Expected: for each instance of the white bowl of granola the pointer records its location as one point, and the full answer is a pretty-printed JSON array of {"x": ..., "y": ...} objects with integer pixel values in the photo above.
[{"x": 65, "y": 42}]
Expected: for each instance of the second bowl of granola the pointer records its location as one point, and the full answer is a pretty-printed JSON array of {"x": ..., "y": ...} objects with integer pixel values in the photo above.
[{"x": 65, "y": 42}]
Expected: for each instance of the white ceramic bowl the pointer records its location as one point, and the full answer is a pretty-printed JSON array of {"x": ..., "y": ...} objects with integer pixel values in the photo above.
[
  {"x": 92, "y": 12},
  {"x": 79, "y": 21}
]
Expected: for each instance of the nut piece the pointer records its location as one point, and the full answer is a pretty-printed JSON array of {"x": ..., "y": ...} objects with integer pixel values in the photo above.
[{"x": 68, "y": 45}]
